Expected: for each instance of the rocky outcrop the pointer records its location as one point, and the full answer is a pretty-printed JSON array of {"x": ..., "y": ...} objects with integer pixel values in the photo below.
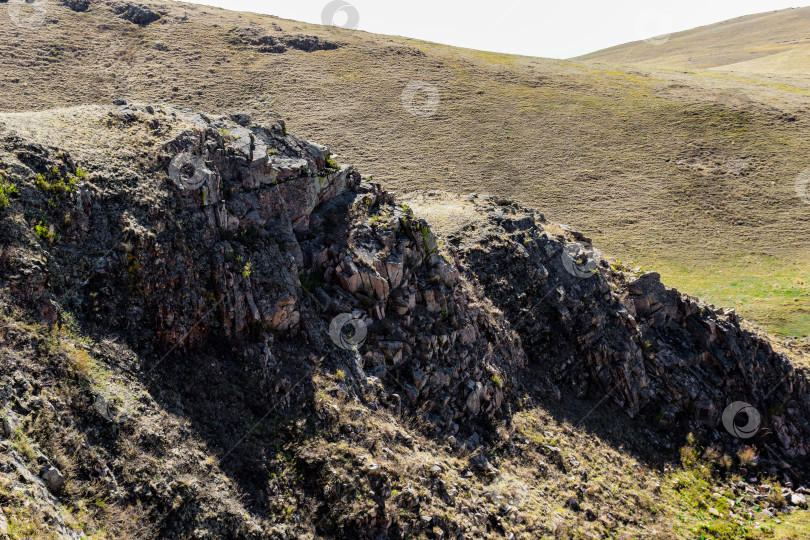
[
  {"x": 243, "y": 214},
  {"x": 77, "y": 5},
  {"x": 136, "y": 13},
  {"x": 285, "y": 211},
  {"x": 431, "y": 339},
  {"x": 218, "y": 237},
  {"x": 250, "y": 224},
  {"x": 657, "y": 352},
  {"x": 281, "y": 43}
]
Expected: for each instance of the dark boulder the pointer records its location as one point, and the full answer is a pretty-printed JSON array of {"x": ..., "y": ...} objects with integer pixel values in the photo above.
[
  {"x": 136, "y": 13},
  {"x": 77, "y": 5}
]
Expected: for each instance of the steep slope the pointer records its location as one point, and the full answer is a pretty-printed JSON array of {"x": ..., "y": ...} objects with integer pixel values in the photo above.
[
  {"x": 694, "y": 175},
  {"x": 758, "y": 43},
  {"x": 211, "y": 329}
]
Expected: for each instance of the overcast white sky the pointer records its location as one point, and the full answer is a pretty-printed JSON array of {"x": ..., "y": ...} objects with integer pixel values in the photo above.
[{"x": 554, "y": 29}]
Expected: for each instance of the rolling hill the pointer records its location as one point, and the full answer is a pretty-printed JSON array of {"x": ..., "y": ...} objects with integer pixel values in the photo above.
[{"x": 777, "y": 42}]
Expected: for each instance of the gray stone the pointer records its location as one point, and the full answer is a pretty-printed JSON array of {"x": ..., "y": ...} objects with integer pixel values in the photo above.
[
  {"x": 77, "y": 5},
  {"x": 9, "y": 425},
  {"x": 473, "y": 403},
  {"x": 53, "y": 478},
  {"x": 797, "y": 499}
]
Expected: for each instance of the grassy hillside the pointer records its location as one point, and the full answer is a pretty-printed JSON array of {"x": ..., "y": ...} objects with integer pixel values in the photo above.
[
  {"x": 691, "y": 173},
  {"x": 774, "y": 42}
]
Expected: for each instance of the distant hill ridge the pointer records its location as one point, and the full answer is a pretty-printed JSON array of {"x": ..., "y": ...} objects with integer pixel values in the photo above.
[{"x": 776, "y": 42}]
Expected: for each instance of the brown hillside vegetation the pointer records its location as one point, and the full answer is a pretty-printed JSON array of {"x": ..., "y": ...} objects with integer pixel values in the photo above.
[{"x": 692, "y": 174}]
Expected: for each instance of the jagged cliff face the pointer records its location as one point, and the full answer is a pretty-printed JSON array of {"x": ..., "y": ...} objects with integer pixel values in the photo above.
[
  {"x": 186, "y": 238},
  {"x": 589, "y": 323},
  {"x": 236, "y": 217}
]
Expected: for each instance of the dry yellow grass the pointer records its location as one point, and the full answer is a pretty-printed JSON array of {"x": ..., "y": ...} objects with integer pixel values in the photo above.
[{"x": 757, "y": 43}]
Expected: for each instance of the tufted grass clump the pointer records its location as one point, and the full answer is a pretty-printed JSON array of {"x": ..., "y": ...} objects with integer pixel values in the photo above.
[
  {"x": 748, "y": 456},
  {"x": 57, "y": 186},
  {"x": 7, "y": 190},
  {"x": 45, "y": 231},
  {"x": 331, "y": 163},
  {"x": 54, "y": 182}
]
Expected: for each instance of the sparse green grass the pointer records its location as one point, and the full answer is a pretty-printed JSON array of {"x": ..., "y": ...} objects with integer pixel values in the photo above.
[
  {"x": 23, "y": 522},
  {"x": 22, "y": 444},
  {"x": 45, "y": 231},
  {"x": 53, "y": 183},
  {"x": 705, "y": 504},
  {"x": 771, "y": 290},
  {"x": 380, "y": 219},
  {"x": 673, "y": 500},
  {"x": 331, "y": 163},
  {"x": 7, "y": 190}
]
